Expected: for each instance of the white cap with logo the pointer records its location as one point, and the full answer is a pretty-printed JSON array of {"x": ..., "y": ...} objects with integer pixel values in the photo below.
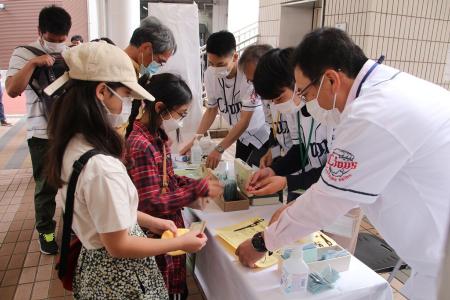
[{"x": 99, "y": 61}]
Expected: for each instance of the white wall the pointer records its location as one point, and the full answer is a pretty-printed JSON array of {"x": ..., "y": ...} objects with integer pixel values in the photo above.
[
  {"x": 242, "y": 13},
  {"x": 96, "y": 21},
  {"x": 220, "y": 15},
  {"x": 295, "y": 22}
]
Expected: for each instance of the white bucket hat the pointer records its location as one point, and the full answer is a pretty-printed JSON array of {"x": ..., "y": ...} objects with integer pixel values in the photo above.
[{"x": 100, "y": 61}]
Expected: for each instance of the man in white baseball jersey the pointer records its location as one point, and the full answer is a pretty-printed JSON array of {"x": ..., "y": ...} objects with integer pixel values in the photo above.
[
  {"x": 230, "y": 93},
  {"x": 390, "y": 156}
]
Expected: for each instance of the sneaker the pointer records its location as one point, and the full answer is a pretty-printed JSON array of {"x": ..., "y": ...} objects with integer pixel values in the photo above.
[
  {"x": 5, "y": 123},
  {"x": 48, "y": 243}
]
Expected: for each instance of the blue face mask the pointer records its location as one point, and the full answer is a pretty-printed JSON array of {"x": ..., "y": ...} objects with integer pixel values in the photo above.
[{"x": 151, "y": 69}]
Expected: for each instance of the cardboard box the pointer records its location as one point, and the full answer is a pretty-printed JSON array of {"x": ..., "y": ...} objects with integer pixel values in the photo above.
[{"x": 242, "y": 203}]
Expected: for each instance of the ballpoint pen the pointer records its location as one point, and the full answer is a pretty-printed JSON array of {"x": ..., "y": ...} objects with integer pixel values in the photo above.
[{"x": 251, "y": 225}]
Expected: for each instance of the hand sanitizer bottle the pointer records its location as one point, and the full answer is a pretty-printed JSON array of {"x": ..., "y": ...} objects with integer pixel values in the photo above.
[
  {"x": 294, "y": 277},
  {"x": 196, "y": 153}
]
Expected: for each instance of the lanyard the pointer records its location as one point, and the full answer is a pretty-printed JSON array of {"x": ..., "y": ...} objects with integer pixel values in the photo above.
[
  {"x": 225, "y": 95},
  {"x": 379, "y": 61},
  {"x": 304, "y": 156},
  {"x": 165, "y": 183}
]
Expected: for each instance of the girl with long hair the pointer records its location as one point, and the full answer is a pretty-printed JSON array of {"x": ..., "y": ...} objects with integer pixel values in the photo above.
[
  {"x": 117, "y": 259},
  {"x": 162, "y": 193}
]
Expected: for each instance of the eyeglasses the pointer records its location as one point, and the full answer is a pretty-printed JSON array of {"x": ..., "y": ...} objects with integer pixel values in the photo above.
[
  {"x": 301, "y": 93},
  {"x": 182, "y": 115}
]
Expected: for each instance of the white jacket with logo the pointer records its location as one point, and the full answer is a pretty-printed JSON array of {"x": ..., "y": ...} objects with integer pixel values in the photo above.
[{"x": 390, "y": 156}]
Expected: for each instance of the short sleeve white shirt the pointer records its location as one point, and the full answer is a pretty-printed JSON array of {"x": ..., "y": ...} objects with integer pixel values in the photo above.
[
  {"x": 106, "y": 199},
  {"x": 231, "y": 95}
]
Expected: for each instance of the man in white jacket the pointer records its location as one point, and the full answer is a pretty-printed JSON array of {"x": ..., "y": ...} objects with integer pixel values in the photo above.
[{"x": 390, "y": 156}]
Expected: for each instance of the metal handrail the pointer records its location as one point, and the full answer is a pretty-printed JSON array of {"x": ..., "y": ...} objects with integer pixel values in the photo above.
[{"x": 238, "y": 32}]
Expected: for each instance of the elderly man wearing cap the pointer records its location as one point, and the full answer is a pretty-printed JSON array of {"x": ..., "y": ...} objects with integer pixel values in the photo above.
[{"x": 98, "y": 91}]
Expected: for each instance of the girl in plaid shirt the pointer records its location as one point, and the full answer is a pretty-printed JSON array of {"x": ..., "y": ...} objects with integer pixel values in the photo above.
[{"x": 162, "y": 193}]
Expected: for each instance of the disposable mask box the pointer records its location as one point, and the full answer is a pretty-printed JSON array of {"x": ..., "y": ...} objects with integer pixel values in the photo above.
[
  {"x": 340, "y": 264},
  {"x": 313, "y": 256}
]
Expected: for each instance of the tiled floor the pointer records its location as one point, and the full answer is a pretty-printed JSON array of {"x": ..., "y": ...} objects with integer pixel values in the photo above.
[
  {"x": 400, "y": 277},
  {"x": 25, "y": 273}
]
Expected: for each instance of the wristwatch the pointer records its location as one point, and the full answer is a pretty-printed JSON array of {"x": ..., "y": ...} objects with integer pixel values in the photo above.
[
  {"x": 219, "y": 149},
  {"x": 258, "y": 242}
]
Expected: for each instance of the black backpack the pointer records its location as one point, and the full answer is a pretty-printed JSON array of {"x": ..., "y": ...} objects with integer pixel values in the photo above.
[{"x": 44, "y": 76}]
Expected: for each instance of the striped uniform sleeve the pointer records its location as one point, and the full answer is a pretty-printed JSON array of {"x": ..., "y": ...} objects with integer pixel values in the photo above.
[
  {"x": 210, "y": 91},
  {"x": 250, "y": 100},
  {"x": 18, "y": 60}
]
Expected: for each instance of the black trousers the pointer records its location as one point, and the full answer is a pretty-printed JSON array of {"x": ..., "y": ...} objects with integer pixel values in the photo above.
[
  {"x": 250, "y": 154},
  {"x": 44, "y": 195}
]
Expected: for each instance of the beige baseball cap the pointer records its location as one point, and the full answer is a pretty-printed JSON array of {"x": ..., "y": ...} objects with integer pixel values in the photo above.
[{"x": 99, "y": 61}]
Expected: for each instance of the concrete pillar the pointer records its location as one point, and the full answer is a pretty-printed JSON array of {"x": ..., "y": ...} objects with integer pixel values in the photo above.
[
  {"x": 116, "y": 19},
  {"x": 220, "y": 15},
  {"x": 122, "y": 18}
]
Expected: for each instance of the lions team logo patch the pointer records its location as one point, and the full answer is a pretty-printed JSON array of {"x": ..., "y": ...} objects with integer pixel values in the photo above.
[
  {"x": 253, "y": 97},
  {"x": 340, "y": 163}
]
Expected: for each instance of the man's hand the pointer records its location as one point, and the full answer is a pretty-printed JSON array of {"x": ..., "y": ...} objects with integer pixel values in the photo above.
[
  {"x": 248, "y": 256},
  {"x": 213, "y": 159},
  {"x": 266, "y": 160},
  {"x": 17, "y": 83},
  {"x": 269, "y": 185},
  {"x": 43, "y": 61},
  {"x": 258, "y": 176}
]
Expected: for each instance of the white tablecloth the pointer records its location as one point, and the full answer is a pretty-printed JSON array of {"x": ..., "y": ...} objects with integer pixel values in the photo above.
[{"x": 222, "y": 277}]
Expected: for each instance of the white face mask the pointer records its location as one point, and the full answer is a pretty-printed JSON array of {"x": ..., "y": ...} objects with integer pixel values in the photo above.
[
  {"x": 53, "y": 47},
  {"x": 220, "y": 72},
  {"x": 287, "y": 107},
  {"x": 171, "y": 124},
  {"x": 117, "y": 120},
  {"x": 324, "y": 116}
]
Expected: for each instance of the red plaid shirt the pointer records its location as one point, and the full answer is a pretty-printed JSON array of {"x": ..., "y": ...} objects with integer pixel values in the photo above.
[{"x": 145, "y": 166}]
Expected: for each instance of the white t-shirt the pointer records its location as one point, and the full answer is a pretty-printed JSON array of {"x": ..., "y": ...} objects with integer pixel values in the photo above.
[
  {"x": 36, "y": 122},
  {"x": 233, "y": 95},
  {"x": 390, "y": 156},
  {"x": 106, "y": 199}
]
